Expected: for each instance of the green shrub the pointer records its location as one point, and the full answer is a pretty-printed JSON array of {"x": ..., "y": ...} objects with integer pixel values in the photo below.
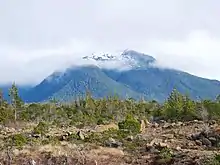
[
  {"x": 213, "y": 161},
  {"x": 165, "y": 156},
  {"x": 41, "y": 128},
  {"x": 17, "y": 140},
  {"x": 130, "y": 124}
]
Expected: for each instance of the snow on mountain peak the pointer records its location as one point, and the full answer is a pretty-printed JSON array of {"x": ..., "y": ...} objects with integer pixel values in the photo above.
[{"x": 127, "y": 59}]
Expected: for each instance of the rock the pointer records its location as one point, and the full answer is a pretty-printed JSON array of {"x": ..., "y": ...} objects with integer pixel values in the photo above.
[
  {"x": 155, "y": 141},
  {"x": 102, "y": 128},
  {"x": 178, "y": 148},
  {"x": 205, "y": 133},
  {"x": 169, "y": 136},
  {"x": 163, "y": 145},
  {"x": 81, "y": 135},
  {"x": 36, "y": 135},
  {"x": 167, "y": 125},
  {"x": 198, "y": 142},
  {"x": 196, "y": 136},
  {"x": 153, "y": 150},
  {"x": 206, "y": 142},
  {"x": 155, "y": 125},
  {"x": 130, "y": 138},
  {"x": 213, "y": 140},
  {"x": 113, "y": 143},
  {"x": 33, "y": 162},
  {"x": 178, "y": 124},
  {"x": 143, "y": 126},
  {"x": 212, "y": 122}
]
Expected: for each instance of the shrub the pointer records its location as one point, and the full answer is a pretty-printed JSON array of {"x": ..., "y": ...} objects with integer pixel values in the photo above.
[
  {"x": 17, "y": 140},
  {"x": 41, "y": 128},
  {"x": 213, "y": 161},
  {"x": 130, "y": 124}
]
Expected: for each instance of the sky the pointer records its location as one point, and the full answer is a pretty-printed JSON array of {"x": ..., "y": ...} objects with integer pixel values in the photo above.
[{"x": 38, "y": 37}]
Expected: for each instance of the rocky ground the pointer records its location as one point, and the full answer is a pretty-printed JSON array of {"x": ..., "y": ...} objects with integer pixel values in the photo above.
[{"x": 188, "y": 143}]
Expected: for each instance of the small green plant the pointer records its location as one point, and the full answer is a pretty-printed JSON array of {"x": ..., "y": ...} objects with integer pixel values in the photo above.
[
  {"x": 17, "y": 140},
  {"x": 214, "y": 160},
  {"x": 130, "y": 124},
  {"x": 41, "y": 128},
  {"x": 165, "y": 156}
]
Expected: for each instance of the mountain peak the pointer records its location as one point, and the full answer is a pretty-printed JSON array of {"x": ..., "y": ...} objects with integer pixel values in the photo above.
[{"x": 130, "y": 58}]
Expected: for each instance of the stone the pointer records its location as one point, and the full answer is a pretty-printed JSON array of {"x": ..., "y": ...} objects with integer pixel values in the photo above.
[
  {"x": 178, "y": 124},
  {"x": 163, "y": 145},
  {"x": 206, "y": 142},
  {"x": 198, "y": 142},
  {"x": 143, "y": 126},
  {"x": 33, "y": 162},
  {"x": 155, "y": 141},
  {"x": 190, "y": 144},
  {"x": 36, "y": 135},
  {"x": 213, "y": 140},
  {"x": 155, "y": 125},
  {"x": 81, "y": 135},
  {"x": 167, "y": 125},
  {"x": 178, "y": 148},
  {"x": 130, "y": 138},
  {"x": 102, "y": 128},
  {"x": 113, "y": 143},
  {"x": 169, "y": 136},
  {"x": 195, "y": 136}
]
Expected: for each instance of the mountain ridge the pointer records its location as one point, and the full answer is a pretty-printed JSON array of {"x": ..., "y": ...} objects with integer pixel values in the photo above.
[{"x": 140, "y": 78}]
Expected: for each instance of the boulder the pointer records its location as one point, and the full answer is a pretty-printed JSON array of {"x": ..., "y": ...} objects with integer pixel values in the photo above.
[{"x": 113, "y": 143}]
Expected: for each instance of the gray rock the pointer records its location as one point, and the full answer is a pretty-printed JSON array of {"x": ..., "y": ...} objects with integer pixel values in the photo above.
[
  {"x": 206, "y": 142},
  {"x": 167, "y": 125},
  {"x": 130, "y": 138},
  {"x": 196, "y": 136},
  {"x": 81, "y": 135},
  {"x": 213, "y": 140},
  {"x": 113, "y": 143},
  {"x": 198, "y": 142},
  {"x": 36, "y": 135}
]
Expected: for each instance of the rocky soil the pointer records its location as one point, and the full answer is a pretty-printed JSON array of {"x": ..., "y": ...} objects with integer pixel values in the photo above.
[{"x": 180, "y": 143}]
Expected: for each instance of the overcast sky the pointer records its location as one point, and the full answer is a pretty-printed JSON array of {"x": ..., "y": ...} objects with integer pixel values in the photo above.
[{"x": 40, "y": 36}]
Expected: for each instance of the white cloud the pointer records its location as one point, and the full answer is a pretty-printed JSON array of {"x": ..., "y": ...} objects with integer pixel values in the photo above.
[
  {"x": 198, "y": 54},
  {"x": 38, "y": 37}
]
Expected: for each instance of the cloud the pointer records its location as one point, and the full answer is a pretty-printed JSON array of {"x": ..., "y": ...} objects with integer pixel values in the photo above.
[
  {"x": 198, "y": 54},
  {"x": 38, "y": 37}
]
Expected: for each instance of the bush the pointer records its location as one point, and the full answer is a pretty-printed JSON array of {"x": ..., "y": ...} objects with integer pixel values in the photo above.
[
  {"x": 41, "y": 128},
  {"x": 165, "y": 156},
  {"x": 130, "y": 124},
  {"x": 18, "y": 140},
  {"x": 213, "y": 161}
]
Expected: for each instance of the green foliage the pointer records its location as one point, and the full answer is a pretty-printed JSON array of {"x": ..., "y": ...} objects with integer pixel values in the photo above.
[
  {"x": 90, "y": 111},
  {"x": 165, "y": 156},
  {"x": 41, "y": 128},
  {"x": 179, "y": 107},
  {"x": 213, "y": 161},
  {"x": 17, "y": 140},
  {"x": 130, "y": 124}
]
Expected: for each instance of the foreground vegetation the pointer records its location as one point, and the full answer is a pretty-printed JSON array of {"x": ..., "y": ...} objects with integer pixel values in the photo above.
[{"x": 107, "y": 122}]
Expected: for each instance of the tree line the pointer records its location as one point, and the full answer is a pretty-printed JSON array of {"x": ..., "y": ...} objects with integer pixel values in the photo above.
[{"x": 90, "y": 111}]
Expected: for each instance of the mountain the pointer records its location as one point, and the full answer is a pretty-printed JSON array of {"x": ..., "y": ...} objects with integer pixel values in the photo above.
[
  {"x": 21, "y": 89},
  {"x": 75, "y": 82},
  {"x": 128, "y": 74}
]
